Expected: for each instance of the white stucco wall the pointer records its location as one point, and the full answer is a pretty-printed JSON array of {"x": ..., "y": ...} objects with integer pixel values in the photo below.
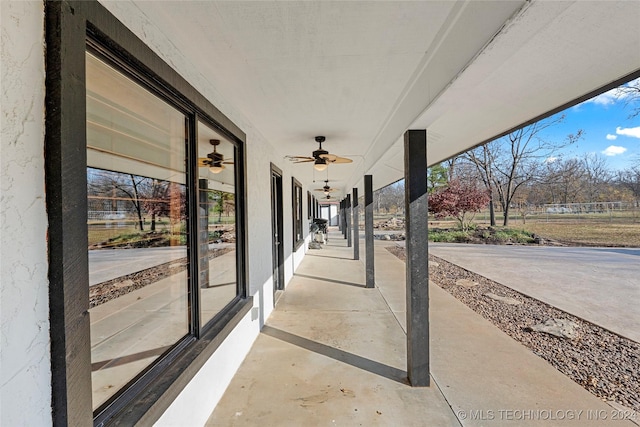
[
  {"x": 193, "y": 405},
  {"x": 25, "y": 377}
]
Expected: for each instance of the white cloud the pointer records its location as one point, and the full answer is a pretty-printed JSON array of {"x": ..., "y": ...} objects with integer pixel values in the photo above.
[
  {"x": 614, "y": 150},
  {"x": 607, "y": 98},
  {"x": 611, "y": 137},
  {"x": 632, "y": 132},
  {"x": 612, "y": 96},
  {"x": 551, "y": 159}
]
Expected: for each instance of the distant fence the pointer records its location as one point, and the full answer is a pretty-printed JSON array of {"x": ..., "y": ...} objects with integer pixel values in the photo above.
[
  {"x": 108, "y": 215},
  {"x": 616, "y": 211}
]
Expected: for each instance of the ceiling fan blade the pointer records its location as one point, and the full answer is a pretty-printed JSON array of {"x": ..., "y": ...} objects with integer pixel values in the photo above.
[
  {"x": 300, "y": 157},
  {"x": 203, "y": 161},
  {"x": 228, "y": 163},
  {"x": 328, "y": 157},
  {"x": 342, "y": 160},
  {"x": 305, "y": 161}
]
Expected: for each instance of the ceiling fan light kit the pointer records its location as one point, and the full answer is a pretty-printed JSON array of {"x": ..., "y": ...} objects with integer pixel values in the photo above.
[
  {"x": 214, "y": 160},
  {"x": 320, "y": 164},
  {"x": 216, "y": 168}
]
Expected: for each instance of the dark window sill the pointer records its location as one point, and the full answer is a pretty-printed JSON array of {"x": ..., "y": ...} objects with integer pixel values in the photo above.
[{"x": 147, "y": 408}]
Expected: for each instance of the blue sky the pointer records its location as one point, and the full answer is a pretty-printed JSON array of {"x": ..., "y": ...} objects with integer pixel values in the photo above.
[{"x": 607, "y": 130}]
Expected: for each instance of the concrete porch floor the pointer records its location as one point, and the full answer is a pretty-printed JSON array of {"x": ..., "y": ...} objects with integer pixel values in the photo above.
[{"x": 334, "y": 353}]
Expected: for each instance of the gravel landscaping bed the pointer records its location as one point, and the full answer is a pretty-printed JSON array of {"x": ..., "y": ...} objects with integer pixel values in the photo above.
[
  {"x": 604, "y": 363},
  {"x": 114, "y": 288}
]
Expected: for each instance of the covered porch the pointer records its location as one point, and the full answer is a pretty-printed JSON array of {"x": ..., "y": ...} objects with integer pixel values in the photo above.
[{"x": 334, "y": 353}]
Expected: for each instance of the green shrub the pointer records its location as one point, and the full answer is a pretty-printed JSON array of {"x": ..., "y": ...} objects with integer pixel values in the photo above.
[
  {"x": 449, "y": 236},
  {"x": 514, "y": 236}
]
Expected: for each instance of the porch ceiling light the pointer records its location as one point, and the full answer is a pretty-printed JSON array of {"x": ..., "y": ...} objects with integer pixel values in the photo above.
[
  {"x": 320, "y": 164},
  {"x": 216, "y": 168}
]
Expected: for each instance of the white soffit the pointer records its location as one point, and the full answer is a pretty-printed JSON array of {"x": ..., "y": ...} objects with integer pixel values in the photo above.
[{"x": 550, "y": 54}]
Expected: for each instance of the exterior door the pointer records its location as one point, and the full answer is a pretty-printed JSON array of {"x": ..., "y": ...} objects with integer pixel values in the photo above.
[{"x": 277, "y": 226}]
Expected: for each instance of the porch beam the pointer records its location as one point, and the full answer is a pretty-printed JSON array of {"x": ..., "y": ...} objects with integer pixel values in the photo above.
[
  {"x": 368, "y": 231},
  {"x": 417, "y": 265}
]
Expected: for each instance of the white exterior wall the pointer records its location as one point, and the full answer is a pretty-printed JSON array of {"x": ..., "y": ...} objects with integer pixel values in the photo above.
[
  {"x": 193, "y": 406},
  {"x": 25, "y": 377}
]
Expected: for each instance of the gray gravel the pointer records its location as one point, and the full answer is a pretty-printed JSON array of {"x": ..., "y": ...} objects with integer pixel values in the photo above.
[
  {"x": 602, "y": 362},
  {"x": 114, "y": 288}
]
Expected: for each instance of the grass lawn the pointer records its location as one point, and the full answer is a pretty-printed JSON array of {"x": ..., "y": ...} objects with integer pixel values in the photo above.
[
  {"x": 587, "y": 233},
  {"x": 581, "y": 232}
]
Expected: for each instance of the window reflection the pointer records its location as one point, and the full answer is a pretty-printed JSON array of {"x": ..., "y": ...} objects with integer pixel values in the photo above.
[
  {"x": 298, "y": 237},
  {"x": 137, "y": 226},
  {"x": 217, "y": 211}
]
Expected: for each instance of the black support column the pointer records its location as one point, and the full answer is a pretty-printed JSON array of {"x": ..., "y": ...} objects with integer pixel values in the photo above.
[
  {"x": 417, "y": 266},
  {"x": 347, "y": 213},
  {"x": 356, "y": 226},
  {"x": 368, "y": 231},
  {"x": 340, "y": 219}
]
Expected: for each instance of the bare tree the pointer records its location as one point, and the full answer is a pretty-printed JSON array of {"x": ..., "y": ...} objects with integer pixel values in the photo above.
[
  {"x": 483, "y": 159},
  {"x": 517, "y": 157},
  {"x": 390, "y": 197},
  {"x": 156, "y": 202},
  {"x": 118, "y": 186},
  {"x": 630, "y": 92},
  {"x": 566, "y": 178},
  {"x": 630, "y": 179},
  {"x": 597, "y": 176}
]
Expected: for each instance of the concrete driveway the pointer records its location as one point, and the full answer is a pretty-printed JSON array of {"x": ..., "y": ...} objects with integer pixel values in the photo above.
[{"x": 600, "y": 285}]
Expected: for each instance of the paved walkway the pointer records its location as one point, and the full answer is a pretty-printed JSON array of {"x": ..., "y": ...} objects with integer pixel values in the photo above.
[
  {"x": 107, "y": 264},
  {"x": 334, "y": 353},
  {"x": 600, "y": 285}
]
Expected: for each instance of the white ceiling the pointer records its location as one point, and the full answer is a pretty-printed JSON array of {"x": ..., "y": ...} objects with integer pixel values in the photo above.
[{"x": 363, "y": 72}]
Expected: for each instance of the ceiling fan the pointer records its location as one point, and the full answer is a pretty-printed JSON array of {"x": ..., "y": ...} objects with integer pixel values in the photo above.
[
  {"x": 321, "y": 158},
  {"x": 326, "y": 189},
  {"x": 214, "y": 160}
]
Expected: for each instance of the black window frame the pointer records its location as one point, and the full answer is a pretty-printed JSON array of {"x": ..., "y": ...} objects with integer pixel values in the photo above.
[
  {"x": 296, "y": 213},
  {"x": 68, "y": 27}
]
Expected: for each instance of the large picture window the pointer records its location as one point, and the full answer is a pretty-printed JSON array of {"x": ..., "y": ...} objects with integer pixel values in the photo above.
[
  {"x": 147, "y": 242},
  {"x": 298, "y": 236},
  {"x": 217, "y": 218},
  {"x": 136, "y": 226}
]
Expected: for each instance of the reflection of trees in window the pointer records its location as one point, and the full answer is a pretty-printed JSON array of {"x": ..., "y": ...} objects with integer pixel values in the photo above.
[
  {"x": 157, "y": 204},
  {"x": 123, "y": 196},
  {"x": 221, "y": 203}
]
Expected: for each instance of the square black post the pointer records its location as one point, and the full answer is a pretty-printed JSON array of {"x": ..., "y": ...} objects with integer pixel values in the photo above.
[
  {"x": 356, "y": 226},
  {"x": 368, "y": 231},
  {"x": 348, "y": 221},
  {"x": 417, "y": 265},
  {"x": 340, "y": 216},
  {"x": 344, "y": 218}
]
